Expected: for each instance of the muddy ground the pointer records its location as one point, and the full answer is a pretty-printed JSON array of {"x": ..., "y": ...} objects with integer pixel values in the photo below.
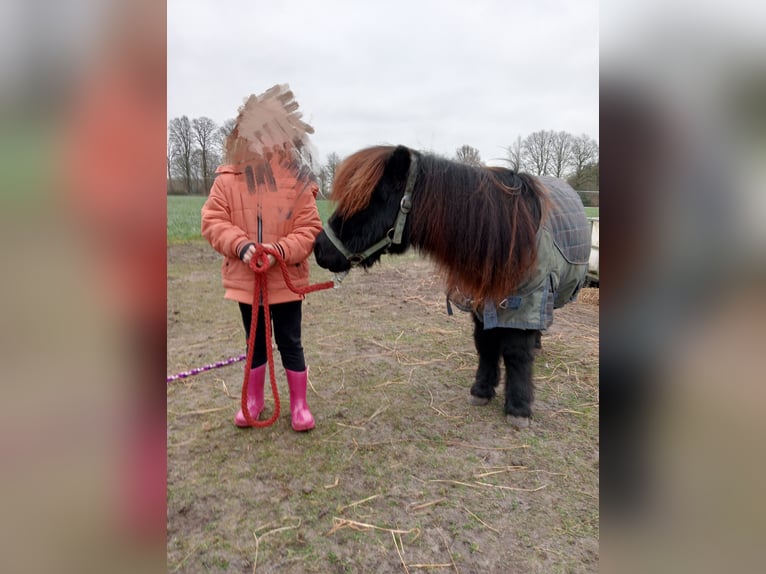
[{"x": 401, "y": 474}]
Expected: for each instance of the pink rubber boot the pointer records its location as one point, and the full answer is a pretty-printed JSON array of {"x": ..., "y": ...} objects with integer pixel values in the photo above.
[
  {"x": 254, "y": 396},
  {"x": 302, "y": 419}
]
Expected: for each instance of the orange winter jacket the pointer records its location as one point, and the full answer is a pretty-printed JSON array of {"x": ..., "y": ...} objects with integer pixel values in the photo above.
[{"x": 290, "y": 219}]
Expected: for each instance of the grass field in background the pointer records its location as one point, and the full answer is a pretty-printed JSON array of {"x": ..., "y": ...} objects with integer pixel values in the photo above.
[
  {"x": 184, "y": 216},
  {"x": 325, "y": 209}
]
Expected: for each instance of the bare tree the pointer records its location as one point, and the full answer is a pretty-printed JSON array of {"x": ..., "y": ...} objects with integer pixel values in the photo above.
[
  {"x": 587, "y": 180},
  {"x": 204, "y": 134},
  {"x": 327, "y": 173},
  {"x": 170, "y": 158},
  {"x": 515, "y": 155},
  {"x": 561, "y": 153},
  {"x": 324, "y": 178},
  {"x": 222, "y": 133},
  {"x": 182, "y": 145},
  {"x": 584, "y": 152},
  {"x": 468, "y": 155},
  {"x": 537, "y": 152}
]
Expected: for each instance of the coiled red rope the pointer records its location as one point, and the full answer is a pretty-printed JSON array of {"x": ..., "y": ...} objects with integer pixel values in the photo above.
[{"x": 260, "y": 265}]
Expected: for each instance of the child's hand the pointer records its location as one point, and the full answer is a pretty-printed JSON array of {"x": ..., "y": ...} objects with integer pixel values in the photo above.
[
  {"x": 248, "y": 255},
  {"x": 272, "y": 260}
]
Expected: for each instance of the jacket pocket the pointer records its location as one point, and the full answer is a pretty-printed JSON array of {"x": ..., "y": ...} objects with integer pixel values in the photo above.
[
  {"x": 228, "y": 267},
  {"x": 298, "y": 272}
]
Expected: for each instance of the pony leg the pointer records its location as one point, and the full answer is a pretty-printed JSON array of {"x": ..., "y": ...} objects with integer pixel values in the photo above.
[
  {"x": 487, "y": 375},
  {"x": 518, "y": 356}
]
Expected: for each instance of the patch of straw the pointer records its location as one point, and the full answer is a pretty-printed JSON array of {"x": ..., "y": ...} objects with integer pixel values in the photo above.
[
  {"x": 226, "y": 389},
  {"x": 449, "y": 550},
  {"x": 500, "y": 471},
  {"x": 200, "y": 412},
  {"x": 311, "y": 385},
  {"x": 480, "y": 521},
  {"x": 387, "y": 383},
  {"x": 588, "y": 296},
  {"x": 516, "y": 489},
  {"x": 341, "y": 523},
  {"x": 358, "y": 502},
  {"x": 566, "y": 411},
  {"x": 479, "y": 447},
  {"x": 479, "y": 484},
  {"x": 426, "y": 504},
  {"x": 593, "y": 496},
  {"x": 377, "y": 412},
  {"x": 262, "y": 536},
  {"x": 185, "y": 558},
  {"x": 399, "y": 551},
  {"x": 459, "y": 483}
]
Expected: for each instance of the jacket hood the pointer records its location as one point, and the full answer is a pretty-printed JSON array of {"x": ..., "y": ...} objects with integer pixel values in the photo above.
[{"x": 228, "y": 169}]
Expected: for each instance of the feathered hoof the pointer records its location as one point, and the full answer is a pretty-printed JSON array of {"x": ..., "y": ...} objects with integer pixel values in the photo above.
[
  {"x": 517, "y": 422},
  {"x": 478, "y": 401}
]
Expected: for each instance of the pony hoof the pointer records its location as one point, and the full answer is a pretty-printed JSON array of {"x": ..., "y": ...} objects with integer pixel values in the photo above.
[
  {"x": 517, "y": 422},
  {"x": 478, "y": 401}
]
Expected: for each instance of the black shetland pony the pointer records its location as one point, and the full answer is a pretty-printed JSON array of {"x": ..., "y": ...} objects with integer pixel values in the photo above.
[{"x": 484, "y": 228}]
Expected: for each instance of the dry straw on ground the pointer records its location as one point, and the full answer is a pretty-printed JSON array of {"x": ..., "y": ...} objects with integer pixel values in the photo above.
[{"x": 588, "y": 296}]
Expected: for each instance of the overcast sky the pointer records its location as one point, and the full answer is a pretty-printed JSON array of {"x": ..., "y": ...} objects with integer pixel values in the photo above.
[{"x": 429, "y": 74}]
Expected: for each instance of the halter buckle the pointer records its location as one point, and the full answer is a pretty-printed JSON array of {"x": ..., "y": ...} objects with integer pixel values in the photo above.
[{"x": 405, "y": 205}]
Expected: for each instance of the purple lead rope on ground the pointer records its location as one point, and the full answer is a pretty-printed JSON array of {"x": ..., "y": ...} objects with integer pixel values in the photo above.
[{"x": 209, "y": 367}]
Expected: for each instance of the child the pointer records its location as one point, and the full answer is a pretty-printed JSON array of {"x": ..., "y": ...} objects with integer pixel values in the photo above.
[{"x": 266, "y": 199}]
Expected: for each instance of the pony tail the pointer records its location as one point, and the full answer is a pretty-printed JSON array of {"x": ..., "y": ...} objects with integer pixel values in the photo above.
[{"x": 357, "y": 177}]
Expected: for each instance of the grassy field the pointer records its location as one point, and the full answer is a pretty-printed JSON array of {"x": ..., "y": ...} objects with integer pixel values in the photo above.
[
  {"x": 184, "y": 216},
  {"x": 401, "y": 474}
]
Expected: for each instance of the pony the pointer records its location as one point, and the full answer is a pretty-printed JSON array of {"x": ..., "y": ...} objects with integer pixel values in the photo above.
[{"x": 510, "y": 246}]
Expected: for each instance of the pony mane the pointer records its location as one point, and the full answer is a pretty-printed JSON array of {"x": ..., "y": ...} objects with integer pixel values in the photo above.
[
  {"x": 357, "y": 177},
  {"x": 478, "y": 224},
  {"x": 494, "y": 212}
]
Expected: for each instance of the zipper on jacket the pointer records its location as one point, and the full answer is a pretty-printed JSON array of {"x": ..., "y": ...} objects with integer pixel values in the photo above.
[{"x": 252, "y": 190}]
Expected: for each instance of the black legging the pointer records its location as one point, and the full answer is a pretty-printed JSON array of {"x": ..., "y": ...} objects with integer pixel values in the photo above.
[{"x": 286, "y": 324}]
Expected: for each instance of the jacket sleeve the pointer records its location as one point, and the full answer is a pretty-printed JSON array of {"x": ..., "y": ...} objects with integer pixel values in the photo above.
[
  {"x": 299, "y": 244},
  {"x": 217, "y": 227}
]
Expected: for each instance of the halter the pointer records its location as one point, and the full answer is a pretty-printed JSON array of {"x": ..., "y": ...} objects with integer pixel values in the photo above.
[{"x": 394, "y": 235}]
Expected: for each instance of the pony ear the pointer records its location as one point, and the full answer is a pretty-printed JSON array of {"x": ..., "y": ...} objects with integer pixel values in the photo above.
[{"x": 399, "y": 164}]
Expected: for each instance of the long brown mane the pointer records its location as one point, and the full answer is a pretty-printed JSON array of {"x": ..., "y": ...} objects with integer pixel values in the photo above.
[{"x": 478, "y": 224}]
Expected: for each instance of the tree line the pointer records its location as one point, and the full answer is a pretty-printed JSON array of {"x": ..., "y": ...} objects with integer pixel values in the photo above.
[
  {"x": 547, "y": 152},
  {"x": 195, "y": 149}
]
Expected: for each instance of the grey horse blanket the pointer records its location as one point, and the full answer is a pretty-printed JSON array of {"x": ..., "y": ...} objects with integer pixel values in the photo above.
[{"x": 563, "y": 243}]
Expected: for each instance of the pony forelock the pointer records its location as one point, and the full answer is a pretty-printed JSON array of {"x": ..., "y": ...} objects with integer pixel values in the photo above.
[{"x": 356, "y": 178}]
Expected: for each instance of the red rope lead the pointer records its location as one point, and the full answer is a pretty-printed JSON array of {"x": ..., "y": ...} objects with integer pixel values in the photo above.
[{"x": 261, "y": 294}]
